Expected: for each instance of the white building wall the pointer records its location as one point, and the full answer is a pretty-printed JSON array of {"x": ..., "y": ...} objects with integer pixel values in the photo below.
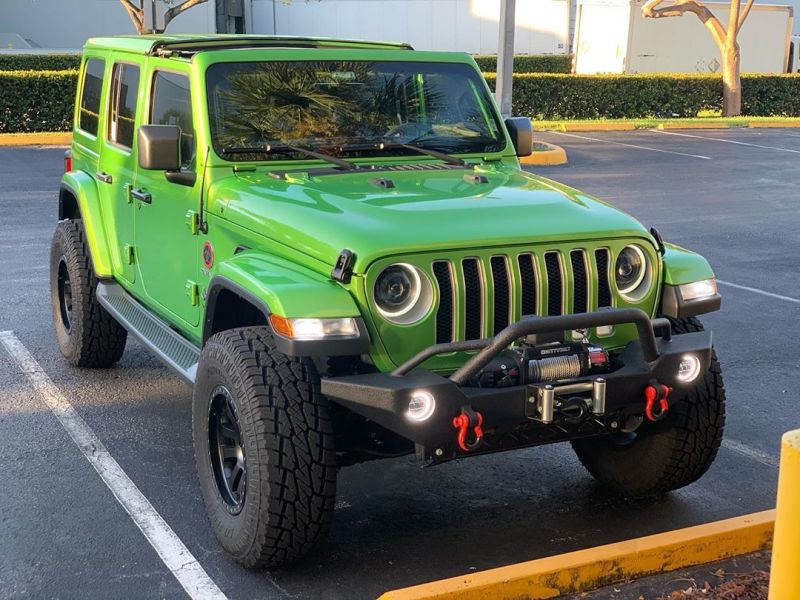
[{"x": 463, "y": 25}]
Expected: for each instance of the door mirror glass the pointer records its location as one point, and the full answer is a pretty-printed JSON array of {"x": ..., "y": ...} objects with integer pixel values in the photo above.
[
  {"x": 160, "y": 147},
  {"x": 521, "y": 132}
]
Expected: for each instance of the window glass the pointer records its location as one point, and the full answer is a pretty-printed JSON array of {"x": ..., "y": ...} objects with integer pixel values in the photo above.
[
  {"x": 124, "y": 89},
  {"x": 90, "y": 95},
  {"x": 172, "y": 105},
  {"x": 349, "y": 109}
]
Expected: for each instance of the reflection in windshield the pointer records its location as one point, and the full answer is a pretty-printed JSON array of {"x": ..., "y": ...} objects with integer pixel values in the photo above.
[{"x": 350, "y": 108}]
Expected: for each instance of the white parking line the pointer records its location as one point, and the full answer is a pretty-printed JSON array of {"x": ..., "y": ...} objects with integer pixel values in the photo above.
[
  {"x": 756, "y": 455},
  {"x": 583, "y": 137},
  {"x": 169, "y": 547},
  {"x": 758, "y": 291},
  {"x": 738, "y": 143}
]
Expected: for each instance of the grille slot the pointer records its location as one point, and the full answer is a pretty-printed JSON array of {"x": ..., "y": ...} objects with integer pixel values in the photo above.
[
  {"x": 446, "y": 313},
  {"x": 580, "y": 282},
  {"x": 555, "y": 287},
  {"x": 601, "y": 257},
  {"x": 502, "y": 293},
  {"x": 527, "y": 272},
  {"x": 473, "y": 296}
]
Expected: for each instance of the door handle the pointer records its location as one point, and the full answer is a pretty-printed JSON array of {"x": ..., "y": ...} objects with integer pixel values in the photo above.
[
  {"x": 142, "y": 196},
  {"x": 104, "y": 177}
]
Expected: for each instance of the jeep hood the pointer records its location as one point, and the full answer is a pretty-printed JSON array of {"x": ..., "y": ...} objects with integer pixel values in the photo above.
[{"x": 424, "y": 211}]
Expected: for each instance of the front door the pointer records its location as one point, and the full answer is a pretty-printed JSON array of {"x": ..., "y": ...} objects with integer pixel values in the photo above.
[
  {"x": 168, "y": 248},
  {"x": 118, "y": 168}
]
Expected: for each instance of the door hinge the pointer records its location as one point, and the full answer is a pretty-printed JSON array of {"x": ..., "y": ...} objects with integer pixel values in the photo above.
[
  {"x": 193, "y": 221},
  {"x": 130, "y": 254},
  {"x": 193, "y": 291}
]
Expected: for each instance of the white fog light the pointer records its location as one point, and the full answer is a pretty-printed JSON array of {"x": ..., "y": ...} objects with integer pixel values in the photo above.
[
  {"x": 421, "y": 406},
  {"x": 689, "y": 369},
  {"x": 699, "y": 289}
]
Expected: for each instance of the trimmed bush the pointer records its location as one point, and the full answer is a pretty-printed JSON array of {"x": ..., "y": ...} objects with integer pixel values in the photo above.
[
  {"x": 37, "y": 100},
  {"x": 529, "y": 63},
  {"x": 39, "y": 62},
  {"x": 555, "y": 96}
]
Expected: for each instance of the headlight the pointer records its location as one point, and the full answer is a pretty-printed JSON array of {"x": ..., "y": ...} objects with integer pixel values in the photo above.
[
  {"x": 698, "y": 289},
  {"x": 403, "y": 294},
  {"x": 632, "y": 273}
]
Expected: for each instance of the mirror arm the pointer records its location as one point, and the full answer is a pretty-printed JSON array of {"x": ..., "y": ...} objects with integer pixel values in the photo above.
[{"x": 187, "y": 178}]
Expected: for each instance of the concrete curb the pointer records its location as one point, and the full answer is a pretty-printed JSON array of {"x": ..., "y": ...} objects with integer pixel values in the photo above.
[
  {"x": 554, "y": 155},
  {"x": 634, "y": 125},
  {"x": 36, "y": 139},
  {"x": 592, "y": 568}
]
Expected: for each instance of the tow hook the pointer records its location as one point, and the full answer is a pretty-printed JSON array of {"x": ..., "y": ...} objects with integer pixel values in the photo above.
[
  {"x": 657, "y": 400},
  {"x": 469, "y": 419}
]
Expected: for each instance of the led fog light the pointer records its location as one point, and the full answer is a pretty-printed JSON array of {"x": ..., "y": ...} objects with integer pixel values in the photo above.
[
  {"x": 421, "y": 406},
  {"x": 689, "y": 369}
]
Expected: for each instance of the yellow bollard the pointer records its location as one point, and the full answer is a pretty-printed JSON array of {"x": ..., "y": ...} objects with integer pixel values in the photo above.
[{"x": 785, "y": 579}]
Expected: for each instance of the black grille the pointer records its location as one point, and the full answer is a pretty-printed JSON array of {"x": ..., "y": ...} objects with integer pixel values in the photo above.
[
  {"x": 603, "y": 281},
  {"x": 552, "y": 263},
  {"x": 580, "y": 298},
  {"x": 473, "y": 299},
  {"x": 502, "y": 293},
  {"x": 444, "y": 317},
  {"x": 527, "y": 273}
]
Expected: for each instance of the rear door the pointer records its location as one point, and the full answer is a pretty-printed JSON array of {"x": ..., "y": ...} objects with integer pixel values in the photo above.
[
  {"x": 117, "y": 167},
  {"x": 167, "y": 243}
]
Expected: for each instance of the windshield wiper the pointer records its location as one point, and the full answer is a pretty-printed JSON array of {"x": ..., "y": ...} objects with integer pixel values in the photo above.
[
  {"x": 286, "y": 149},
  {"x": 448, "y": 158}
]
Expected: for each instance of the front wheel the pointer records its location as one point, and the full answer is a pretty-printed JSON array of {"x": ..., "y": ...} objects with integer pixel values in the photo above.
[
  {"x": 264, "y": 448},
  {"x": 669, "y": 454}
]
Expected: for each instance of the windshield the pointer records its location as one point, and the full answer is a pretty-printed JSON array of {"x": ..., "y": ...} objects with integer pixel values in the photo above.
[{"x": 349, "y": 109}]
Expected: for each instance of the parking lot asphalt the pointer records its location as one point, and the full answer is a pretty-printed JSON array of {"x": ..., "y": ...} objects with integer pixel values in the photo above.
[{"x": 731, "y": 195}]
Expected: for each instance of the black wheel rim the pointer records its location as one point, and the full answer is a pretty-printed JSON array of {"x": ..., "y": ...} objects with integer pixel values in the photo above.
[
  {"x": 64, "y": 294},
  {"x": 227, "y": 450}
]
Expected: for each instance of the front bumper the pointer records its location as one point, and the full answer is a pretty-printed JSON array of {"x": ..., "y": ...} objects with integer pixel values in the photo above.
[{"x": 512, "y": 416}]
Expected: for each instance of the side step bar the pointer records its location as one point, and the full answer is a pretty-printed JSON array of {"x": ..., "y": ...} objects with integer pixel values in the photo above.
[{"x": 168, "y": 345}]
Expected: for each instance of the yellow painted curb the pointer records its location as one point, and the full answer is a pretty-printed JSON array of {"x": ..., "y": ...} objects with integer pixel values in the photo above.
[
  {"x": 773, "y": 124},
  {"x": 600, "y": 127},
  {"x": 699, "y": 126},
  {"x": 785, "y": 573},
  {"x": 35, "y": 139},
  {"x": 554, "y": 155},
  {"x": 589, "y": 569}
]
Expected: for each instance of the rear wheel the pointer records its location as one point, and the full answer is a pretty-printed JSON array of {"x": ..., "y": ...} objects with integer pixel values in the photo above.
[
  {"x": 87, "y": 335},
  {"x": 669, "y": 454},
  {"x": 264, "y": 447}
]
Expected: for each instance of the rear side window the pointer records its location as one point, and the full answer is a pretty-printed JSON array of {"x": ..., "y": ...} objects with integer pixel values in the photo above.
[
  {"x": 172, "y": 105},
  {"x": 124, "y": 90},
  {"x": 90, "y": 95}
]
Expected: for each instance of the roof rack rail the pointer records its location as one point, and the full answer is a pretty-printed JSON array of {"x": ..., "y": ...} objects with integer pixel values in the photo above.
[{"x": 192, "y": 46}]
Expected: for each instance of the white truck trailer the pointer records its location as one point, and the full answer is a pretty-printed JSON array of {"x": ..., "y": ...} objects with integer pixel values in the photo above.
[{"x": 612, "y": 36}]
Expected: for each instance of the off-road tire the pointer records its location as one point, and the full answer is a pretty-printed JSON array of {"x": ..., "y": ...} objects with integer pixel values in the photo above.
[
  {"x": 287, "y": 437},
  {"x": 88, "y": 336},
  {"x": 668, "y": 454}
]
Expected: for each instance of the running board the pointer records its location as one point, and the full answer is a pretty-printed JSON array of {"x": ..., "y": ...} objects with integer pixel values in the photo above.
[{"x": 168, "y": 345}]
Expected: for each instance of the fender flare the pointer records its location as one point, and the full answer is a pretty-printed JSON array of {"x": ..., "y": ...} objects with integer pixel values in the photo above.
[
  {"x": 84, "y": 189},
  {"x": 276, "y": 286},
  {"x": 683, "y": 266}
]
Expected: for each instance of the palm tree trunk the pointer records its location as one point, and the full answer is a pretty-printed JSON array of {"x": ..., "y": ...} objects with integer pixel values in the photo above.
[{"x": 731, "y": 80}]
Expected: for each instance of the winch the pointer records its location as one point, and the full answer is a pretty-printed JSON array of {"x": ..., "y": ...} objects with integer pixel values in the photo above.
[{"x": 553, "y": 361}]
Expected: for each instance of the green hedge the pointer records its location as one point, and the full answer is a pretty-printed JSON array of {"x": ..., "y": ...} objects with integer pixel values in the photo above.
[
  {"x": 556, "y": 96},
  {"x": 39, "y": 62},
  {"x": 529, "y": 63},
  {"x": 43, "y": 100},
  {"x": 36, "y": 100}
]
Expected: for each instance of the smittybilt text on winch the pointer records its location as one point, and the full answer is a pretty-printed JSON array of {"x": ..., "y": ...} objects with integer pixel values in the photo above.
[{"x": 333, "y": 241}]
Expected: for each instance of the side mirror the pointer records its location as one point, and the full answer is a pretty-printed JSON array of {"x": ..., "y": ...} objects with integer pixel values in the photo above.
[
  {"x": 160, "y": 147},
  {"x": 521, "y": 132}
]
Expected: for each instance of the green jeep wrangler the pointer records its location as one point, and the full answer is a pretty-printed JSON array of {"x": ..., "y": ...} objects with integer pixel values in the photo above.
[{"x": 334, "y": 243}]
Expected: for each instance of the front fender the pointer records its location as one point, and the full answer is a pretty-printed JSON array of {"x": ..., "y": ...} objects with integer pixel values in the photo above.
[
  {"x": 84, "y": 189},
  {"x": 683, "y": 266},
  {"x": 279, "y": 287}
]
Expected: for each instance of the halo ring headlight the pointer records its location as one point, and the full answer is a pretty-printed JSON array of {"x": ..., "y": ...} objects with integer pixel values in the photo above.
[
  {"x": 403, "y": 294},
  {"x": 632, "y": 273}
]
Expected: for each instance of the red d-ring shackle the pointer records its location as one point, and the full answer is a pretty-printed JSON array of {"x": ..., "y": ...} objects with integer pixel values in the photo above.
[
  {"x": 469, "y": 419},
  {"x": 656, "y": 400}
]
